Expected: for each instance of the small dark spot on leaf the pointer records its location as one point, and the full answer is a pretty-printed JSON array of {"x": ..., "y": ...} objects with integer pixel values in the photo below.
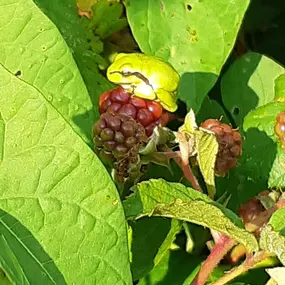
[
  {"x": 18, "y": 73},
  {"x": 88, "y": 40},
  {"x": 235, "y": 111},
  {"x": 188, "y": 7}
]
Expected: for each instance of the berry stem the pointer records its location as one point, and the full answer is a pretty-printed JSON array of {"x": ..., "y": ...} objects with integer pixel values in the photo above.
[
  {"x": 222, "y": 247},
  {"x": 244, "y": 267}
]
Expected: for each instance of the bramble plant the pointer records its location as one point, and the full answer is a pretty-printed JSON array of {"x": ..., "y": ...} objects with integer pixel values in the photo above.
[{"x": 142, "y": 142}]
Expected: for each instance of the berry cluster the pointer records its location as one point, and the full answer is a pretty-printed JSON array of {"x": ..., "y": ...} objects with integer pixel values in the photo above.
[
  {"x": 230, "y": 145},
  {"x": 115, "y": 135},
  {"x": 146, "y": 112},
  {"x": 280, "y": 128}
]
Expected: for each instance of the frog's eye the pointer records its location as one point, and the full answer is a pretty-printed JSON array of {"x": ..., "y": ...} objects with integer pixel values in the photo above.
[{"x": 125, "y": 72}]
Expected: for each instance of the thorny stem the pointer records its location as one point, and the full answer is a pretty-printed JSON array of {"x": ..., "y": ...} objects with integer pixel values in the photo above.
[
  {"x": 221, "y": 248},
  {"x": 244, "y": 267}
]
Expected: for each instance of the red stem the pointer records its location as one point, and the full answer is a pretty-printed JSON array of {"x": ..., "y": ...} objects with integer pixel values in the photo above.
[
  {"x": 223, "y": 246},
  {"x": 188, "y": 174}
]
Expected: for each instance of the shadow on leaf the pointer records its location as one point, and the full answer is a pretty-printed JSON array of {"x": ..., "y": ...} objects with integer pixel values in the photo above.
[
  {"x": 22, "y": 257},
  {"x": 188, "y": 88}
]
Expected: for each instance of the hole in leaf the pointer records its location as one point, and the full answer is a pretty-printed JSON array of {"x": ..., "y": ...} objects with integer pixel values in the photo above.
[
  {"x": 235, "y": 111},
  {"x": 188, "y": 7},
  {"x": 18, "y": 73}
]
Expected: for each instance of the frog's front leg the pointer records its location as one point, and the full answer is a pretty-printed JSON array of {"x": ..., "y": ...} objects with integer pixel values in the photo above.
[
  {"x": 144, "y": 91},
  {"x": 166, "y": 99}
]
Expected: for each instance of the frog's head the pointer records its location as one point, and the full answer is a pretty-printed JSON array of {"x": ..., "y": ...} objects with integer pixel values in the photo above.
[{"x": 125, "y": 69}]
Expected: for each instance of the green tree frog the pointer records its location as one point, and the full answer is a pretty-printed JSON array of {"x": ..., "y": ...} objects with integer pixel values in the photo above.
[{"x": 148, "y": 77}]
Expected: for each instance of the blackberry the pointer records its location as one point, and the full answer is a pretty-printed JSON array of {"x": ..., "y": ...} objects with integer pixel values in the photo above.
[
  {"x": 115, "y": 134},
  {"x": 230, "y": 145},
  {"x": 280, "y": 128},
  {"x": 146, "y": 112},
  {"x": 250, "y": 210}
]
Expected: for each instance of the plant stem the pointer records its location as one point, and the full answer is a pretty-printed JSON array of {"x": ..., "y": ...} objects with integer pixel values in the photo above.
[
  {"x": 244, "y": 267},
  {"x": 223, "y": 246},
  {"x": 188, "y": 174}
]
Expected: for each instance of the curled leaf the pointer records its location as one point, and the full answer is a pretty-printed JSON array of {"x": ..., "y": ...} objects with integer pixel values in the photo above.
[{"x": 174, "y": 200}]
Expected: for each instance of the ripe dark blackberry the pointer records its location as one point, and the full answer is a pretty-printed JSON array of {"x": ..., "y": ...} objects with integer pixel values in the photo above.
[
  {"x": 230, "y": 145},
  {"x": 115, "y": 135},
  {"x": 280, "y": 128},
  {"x": 147, "y": 112}
]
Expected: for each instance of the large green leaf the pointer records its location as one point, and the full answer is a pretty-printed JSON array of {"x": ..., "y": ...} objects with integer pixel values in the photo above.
[
  {"x": 166, "y": 272},
  {"x": 249, "y": 83},
  {"x": 211, "y": 109},
  {"x": 64, "y": 14},
  {"x": 195, "y": 36},
  {"x": 22, "y": 257},
  {"x": 174, "y": 200},
  {"x": 32, "y": 48},
  {"x": 152, "y": 238},
  {"x": 53, "y": 184}
]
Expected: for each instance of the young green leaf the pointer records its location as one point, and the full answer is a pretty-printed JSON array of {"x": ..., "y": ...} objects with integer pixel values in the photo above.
[
  {"x": 207, "y": 148},
  {"x": 33, "y": 49},
  {"x": 273, "y": 242},
  {"x": 200, "y": 48},
  {"x": 249, "y": 83},
  {"x": 53, "y": 184},
  {"x": 106, "y": 26},
  {"x": 152, "y": 238},
  {"x": 174, "y": 200}
]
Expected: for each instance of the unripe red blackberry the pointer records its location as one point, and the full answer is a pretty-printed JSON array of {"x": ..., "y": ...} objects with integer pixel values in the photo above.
[
  {"x": 115, "y": 135},
  {"x": 148, "y": 113},
  {"x": 230, "y": 145},
  {"x": 280, "y": 128}
]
